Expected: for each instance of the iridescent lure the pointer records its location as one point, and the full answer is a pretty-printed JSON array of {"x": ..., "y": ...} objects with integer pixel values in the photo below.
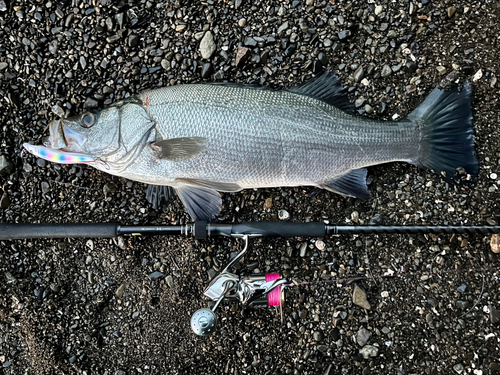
[{"x": 57, "y": 156}]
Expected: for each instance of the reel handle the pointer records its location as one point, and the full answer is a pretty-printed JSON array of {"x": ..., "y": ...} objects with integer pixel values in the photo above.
[{"x": 204, "y": 321}]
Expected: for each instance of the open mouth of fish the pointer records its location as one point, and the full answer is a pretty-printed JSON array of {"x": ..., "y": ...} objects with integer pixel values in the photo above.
[{"x": 63, "y": 146}]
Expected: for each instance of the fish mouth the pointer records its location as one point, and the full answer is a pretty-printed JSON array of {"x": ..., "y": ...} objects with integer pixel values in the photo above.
[
  {"x": 64, "y": 146},
  {"x": 63, "y": 138}
]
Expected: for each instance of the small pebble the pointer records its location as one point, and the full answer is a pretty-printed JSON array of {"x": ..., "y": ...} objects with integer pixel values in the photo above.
[
  {"x": 283, "y": 215},
  {"x": 344, "y": 34},
  {"x": 57, "y": 110},
  {"x": 121, "y": 289},
  {"x": 368, "y": 351},
  {"x": 45, "y": 187},
  {"x": 459, "y": 368},
  {"x": 441, "y": 70},
  {"x": 320, "y": 245},
  {"x": 5, "y": 166},
  {"x": 303, "y": 249},
  {"x": 170, "y": 281},
  {"x": 494, "y": 243},
  {"x": 386, "y": 71},
  {"x": 242, "y": 55},
  {"x": 155, "y": 275},
  {"x": 318, "y": 336},
  {"x": 362, "y": 336}
]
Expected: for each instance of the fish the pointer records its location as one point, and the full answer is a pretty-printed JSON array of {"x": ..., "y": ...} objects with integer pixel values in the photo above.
[{"x": 202, "y": 139}]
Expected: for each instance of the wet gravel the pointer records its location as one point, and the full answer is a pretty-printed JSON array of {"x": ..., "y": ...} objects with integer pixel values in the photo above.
[{"x": 123, "y": 306}]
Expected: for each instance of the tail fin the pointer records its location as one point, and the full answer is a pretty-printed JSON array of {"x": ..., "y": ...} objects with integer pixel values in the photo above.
[{"x": 445, "y": 121}]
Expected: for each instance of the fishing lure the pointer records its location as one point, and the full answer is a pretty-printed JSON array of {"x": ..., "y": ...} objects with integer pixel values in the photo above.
[{"x": 56, "y": 156}]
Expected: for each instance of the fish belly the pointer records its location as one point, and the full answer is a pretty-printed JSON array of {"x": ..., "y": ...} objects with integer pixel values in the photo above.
[{"x": 266, "y": 138}]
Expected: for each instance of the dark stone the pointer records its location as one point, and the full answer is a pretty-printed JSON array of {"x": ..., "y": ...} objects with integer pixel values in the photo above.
[
  {"x": 206, "y": 70},
  {"x": 133, "y": 40},
  {"x": 359, "y": 74},
  {"x": 467, "y": 69},
  {"x": 411, "y": 67},
  {"x": 4, "y": 201},
  {"x": 323, "y": 59},
  {"x": 264, "y": 57},
  {"x": 377, "y": 219},
  {"x": 290, "y": 50},
  {"x": 318, "y": 67}
]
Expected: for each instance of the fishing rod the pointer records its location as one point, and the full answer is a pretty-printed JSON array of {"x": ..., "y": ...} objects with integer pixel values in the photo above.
[
  {"x": 202, "y": 230},
  {"x": 249, "y": 290}
]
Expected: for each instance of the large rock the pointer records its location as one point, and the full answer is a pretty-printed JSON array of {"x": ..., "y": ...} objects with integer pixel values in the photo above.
[
  {"x": 359, "y": 298},
  {"x": 207, "y": 45}
]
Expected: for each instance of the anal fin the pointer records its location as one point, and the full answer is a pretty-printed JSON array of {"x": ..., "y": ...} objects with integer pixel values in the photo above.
[{"x": 352, "y": 184}]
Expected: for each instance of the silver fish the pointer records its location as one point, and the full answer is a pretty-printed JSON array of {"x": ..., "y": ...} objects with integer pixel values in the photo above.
[{"x": 200, "y": 139}]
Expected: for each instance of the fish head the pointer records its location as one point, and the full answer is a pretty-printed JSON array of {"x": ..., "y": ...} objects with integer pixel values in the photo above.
[
  {"x": 91, "y": 133},
  {"x": 114, "y": 136}
]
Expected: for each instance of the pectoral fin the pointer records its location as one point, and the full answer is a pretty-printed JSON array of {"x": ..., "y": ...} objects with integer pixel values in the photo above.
[
  {"x": 179, "y": 149},
  {"x": 201, "y": 203},
  {"x": 158, "y": 195},
  {"x": 352, "y": 184}
]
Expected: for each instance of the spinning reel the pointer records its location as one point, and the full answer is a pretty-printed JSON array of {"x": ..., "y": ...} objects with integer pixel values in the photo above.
[{"x": 249, "y": 290}]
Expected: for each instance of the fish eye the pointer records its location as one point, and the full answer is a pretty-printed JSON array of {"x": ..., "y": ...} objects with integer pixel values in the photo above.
[{"x": 87, "y": 120}]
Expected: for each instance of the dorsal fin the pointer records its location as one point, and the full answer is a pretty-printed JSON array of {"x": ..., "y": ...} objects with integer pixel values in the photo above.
[{"x": 327, "y": 88}]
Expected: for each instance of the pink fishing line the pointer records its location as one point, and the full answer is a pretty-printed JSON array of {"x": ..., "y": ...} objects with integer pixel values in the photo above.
[{"x": 274, "y": 297}]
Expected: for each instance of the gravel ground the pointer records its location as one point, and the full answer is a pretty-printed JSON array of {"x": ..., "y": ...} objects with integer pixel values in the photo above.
[{"x": 93, "y": 307}]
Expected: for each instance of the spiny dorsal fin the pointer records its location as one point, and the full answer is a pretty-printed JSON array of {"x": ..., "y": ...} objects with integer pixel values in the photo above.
[{"x": 327, "y": 88}]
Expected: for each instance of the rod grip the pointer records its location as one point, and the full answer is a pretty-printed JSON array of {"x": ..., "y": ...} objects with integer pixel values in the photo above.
[{"x": 25, "y": 231}]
